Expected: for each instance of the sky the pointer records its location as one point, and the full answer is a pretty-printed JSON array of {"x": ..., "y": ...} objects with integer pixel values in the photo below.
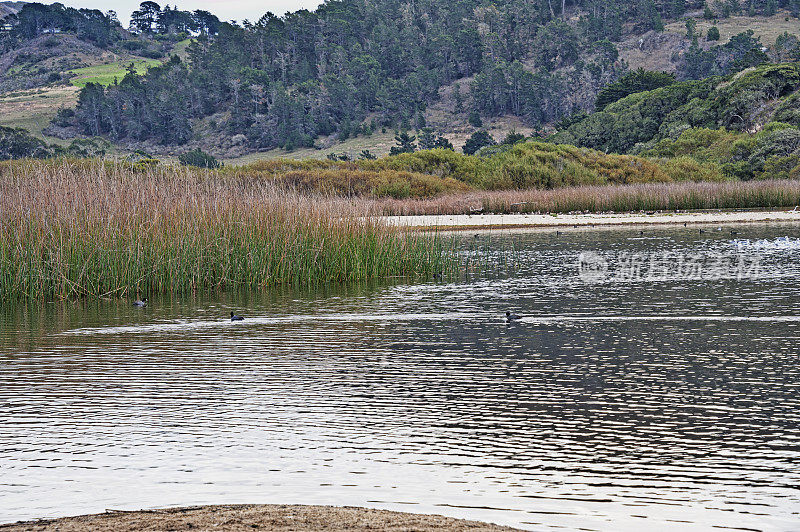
[{"x": 225, "y": 9}]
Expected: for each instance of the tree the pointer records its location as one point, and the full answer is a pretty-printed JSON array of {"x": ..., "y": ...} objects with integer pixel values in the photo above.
[
  {"x": 458, "y": 99},
  {"x": 478, "y": 140},
  {"x": 443, "y": 143},
  {"x": 691, "y": 29},
  {"x": 639, "y": 80},
  {"x": 405, "y": 144},
  {"x": 707, "y": 13},
  {"x": 142, "y": 19},
  {"x": 475, "y": 119},
  {"x": 513, "y": 137},
  {"x": 713, "y": 34},
  {"x": 427, "y": 139}
]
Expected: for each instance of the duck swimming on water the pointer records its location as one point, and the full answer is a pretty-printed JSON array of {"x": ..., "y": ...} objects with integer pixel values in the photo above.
[
  {"x": 140, "y": 302},
  {"x": 512, "y": 317},
  {"x": 235, "y": 317}
]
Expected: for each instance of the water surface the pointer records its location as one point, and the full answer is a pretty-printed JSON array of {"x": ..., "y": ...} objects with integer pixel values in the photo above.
[{"x": 667, "y": 403}]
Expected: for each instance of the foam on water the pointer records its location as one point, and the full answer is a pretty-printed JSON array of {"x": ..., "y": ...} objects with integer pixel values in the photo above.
[
  {"x": 183, "y": 325},
  {"x": 775, "y": 244}
]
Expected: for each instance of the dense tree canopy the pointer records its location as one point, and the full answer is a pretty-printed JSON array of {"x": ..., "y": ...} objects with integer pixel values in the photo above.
[
  {"x": 284, "y": 81},
  {"x": 34, "y": 19}
]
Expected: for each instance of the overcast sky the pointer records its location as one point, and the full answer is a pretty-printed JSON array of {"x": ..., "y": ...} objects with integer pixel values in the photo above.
[{"x": 225, "y": 9}]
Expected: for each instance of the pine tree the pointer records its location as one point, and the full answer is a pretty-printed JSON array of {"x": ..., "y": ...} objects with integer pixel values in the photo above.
[
  {"x": 427, "y": 140},
  {"x": 459, "y": 100},
  {"x": 405, "y": 144}
]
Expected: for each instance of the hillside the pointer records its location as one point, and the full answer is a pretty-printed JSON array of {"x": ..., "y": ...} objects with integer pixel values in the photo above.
[
  {"x": 48, "y": 53},
  {"x": 745, "y": 125},
  {"x": 348, "y": 76},
  {"x": 9, "y": 8}
]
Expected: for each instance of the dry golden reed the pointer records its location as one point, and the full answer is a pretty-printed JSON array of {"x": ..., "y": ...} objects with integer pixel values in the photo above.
[{"x": 604, "y": 198}]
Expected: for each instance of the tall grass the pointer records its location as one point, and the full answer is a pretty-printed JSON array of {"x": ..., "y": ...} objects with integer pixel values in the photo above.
[
  {"x": 86, "y": 228},
  {"x": 603, "y": 198}
]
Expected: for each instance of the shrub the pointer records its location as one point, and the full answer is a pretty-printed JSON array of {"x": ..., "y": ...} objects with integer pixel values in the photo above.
[
  {"x": 780, "y": 144},
  {"x": 685, "y": 168},
  {"x": 84, "y": 148},
  {"x": 199, "y": 159},
  {"x": 789, "y": 110},
  {"x": 739, "y": 102},
  {"x": 17, "y": 143},
  {"x": 396, "y": 189},
  {"x": 713, "y": 34},
  {"x": 782, "y": 167}
]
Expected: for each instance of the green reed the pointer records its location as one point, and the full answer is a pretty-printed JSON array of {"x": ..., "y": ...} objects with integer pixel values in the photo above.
[{"x": 92, "y": 229}]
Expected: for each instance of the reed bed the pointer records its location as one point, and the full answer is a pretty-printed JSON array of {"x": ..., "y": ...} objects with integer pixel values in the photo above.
[
  {"x": 71, "y": 228},
  {"x": 604, "y": 198}
]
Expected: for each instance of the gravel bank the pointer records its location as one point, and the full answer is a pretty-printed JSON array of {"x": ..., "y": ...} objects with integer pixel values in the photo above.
[
  {"x": 252, "y": 517},
  {"x": 509, "y": 221}
]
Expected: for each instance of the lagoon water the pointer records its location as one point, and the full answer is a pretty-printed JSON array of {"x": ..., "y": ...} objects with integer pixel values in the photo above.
[{"x": 667, "y": 400}]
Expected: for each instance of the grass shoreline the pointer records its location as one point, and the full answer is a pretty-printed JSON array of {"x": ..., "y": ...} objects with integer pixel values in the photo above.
[
  {"x": 92, "y": 228},
  {"x": 72, "y": 229}
]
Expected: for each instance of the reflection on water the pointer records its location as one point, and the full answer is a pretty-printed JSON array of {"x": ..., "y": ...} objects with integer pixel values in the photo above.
[{"x": 673, "y": 405}]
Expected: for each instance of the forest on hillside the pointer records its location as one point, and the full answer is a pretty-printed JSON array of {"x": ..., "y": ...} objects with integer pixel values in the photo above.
[{"x": 351, "y": 66}]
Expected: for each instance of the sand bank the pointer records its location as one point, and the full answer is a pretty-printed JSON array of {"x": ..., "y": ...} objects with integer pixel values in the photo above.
[
  {"x": 253, "y": 517},
  {"x": 511, "y": 221}
]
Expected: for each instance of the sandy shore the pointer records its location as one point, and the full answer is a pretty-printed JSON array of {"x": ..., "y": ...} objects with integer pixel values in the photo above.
[
  {"x": 510, "y": 221},
  {"x": 250, "y": 517}
]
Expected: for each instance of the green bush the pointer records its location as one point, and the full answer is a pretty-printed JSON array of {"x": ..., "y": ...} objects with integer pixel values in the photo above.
[
  {"x": 199, "y": 159},
  {"x": 789, "y": 110},
  {"x": 739, "y": 102},
  {"x": 17, "y": 143},
  {"x": 685, "y": 168},
  {"x": 84, "y": 148},
  {"x": 713, "y": 34},
  {"x": 775, "y": 144}
]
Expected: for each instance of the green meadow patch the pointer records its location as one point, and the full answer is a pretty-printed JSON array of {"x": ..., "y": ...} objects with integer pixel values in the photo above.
[{"x": 106, "y": 74}]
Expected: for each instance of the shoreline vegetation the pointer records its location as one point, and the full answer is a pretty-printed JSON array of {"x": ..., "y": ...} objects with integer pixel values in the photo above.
[
  {"x": 683, "y": 196},
  {"x": 72, "y": 228},
  {"x": 81, "y": 228},
  {"x": 263, "y": 516}
]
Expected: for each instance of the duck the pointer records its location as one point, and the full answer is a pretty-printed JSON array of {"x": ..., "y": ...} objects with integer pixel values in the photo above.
[
  {"x": 140, "y": 302},
  {"x": 512, "y": 317},
  {"x": 235, "y": 317},
  {"x": 734, "y": 232}
]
